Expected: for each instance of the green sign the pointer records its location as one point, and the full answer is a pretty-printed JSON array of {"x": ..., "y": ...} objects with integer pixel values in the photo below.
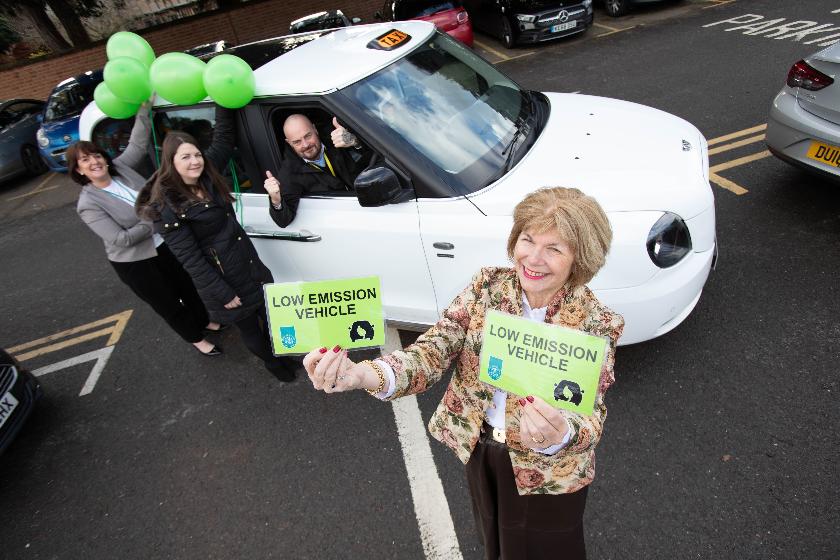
[
  {"x": 562, "y": 366},
  {"x": 307, "y": 315}
]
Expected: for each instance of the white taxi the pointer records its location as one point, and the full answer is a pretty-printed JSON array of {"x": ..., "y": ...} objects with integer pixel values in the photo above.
[{"x": 465, "y": 144}]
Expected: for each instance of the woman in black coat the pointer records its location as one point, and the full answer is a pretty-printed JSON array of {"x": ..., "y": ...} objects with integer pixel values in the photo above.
[{"x": 190, "y": 203}]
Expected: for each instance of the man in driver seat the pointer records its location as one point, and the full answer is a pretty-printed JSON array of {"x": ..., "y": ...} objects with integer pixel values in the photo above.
[{"x": 317, "y": 167}]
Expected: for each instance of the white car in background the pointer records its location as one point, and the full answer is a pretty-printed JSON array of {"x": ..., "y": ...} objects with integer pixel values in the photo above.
[
  {"x": 457, "y": 145},
  {"x": 804, "y": 124}
]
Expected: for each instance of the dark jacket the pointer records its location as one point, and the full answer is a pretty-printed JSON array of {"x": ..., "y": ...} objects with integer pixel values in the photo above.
[
  {"x": 208, "y": 240},
  {"x": 298, "y": 178}
]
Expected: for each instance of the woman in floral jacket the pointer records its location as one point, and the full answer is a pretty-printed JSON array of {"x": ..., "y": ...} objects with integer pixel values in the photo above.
[{"x": 528, "y": 464}]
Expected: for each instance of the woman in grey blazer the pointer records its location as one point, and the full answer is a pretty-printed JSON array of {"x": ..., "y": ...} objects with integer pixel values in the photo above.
[{"x": 140, "y": 257}]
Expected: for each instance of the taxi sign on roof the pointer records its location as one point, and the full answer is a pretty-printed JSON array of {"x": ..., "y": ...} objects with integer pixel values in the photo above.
[{"x": 390, "y": 40}]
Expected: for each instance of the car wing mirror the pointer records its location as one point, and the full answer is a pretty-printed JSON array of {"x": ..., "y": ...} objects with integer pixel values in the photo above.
[
  {"x": 377, "y": 16},
  {"x": 378, "y": 186},
  {"x": 356, "y": 20}
]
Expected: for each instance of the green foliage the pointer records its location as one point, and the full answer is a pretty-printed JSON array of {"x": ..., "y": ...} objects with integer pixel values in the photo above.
[{"x": 8, "y": 36}]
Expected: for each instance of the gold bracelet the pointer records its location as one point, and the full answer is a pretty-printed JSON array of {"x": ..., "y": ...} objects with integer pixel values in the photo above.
[{"x": 378, "y": 369}]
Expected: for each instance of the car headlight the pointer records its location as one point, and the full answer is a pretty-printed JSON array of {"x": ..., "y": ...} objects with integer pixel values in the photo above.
[
  {"x": 43, "y": 141},
  {"x": 668, "y": 240},
  {"x": 525, "y": 18}
]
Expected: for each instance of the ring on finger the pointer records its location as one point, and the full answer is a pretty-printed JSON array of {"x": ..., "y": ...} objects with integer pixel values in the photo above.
[{"x": 540, "y": 441}]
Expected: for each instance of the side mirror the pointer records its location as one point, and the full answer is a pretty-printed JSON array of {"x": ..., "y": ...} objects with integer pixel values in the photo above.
[
  {"x": 356, "y": 20},
  {"x": 377, "y": 186},
  {"x": 377, "y": 16}
]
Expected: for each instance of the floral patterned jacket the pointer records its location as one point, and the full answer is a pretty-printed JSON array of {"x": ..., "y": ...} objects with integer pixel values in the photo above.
[{"x": 458, "y": 419}]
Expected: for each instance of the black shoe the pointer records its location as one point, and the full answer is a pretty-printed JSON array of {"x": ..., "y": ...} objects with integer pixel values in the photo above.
[
  {"x": 222, "y": 327},
  {"x": 215, "y": 351},
  {"x": 285, "y": 373}
]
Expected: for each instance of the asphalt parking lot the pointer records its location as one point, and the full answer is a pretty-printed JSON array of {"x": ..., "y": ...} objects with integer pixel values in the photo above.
[{"x": 722, "y": 435}]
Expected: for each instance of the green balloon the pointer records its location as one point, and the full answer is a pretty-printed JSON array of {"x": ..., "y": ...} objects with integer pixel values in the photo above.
[
  {"x": 132, "y": 45},
  {"x": 112, "y": 106},
  {"x": 178, "y": 78},
  {"x": 229, "y": 81},
  {"x": 128, "y": 79}
]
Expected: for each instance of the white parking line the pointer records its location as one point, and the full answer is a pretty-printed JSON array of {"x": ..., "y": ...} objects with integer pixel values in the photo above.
[
  {"x": 437, "y": 532},
  {"x": 101, "y": 356}
]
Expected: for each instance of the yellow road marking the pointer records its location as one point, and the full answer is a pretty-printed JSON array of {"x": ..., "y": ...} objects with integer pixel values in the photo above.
[
  {"x": 115, "y": 331},
  {"x": 491, "y": 49},
  {"x": 739, "y": 161},
  {"x": 613, "y": 29},
  {"x": 727, "y": 184},
  {"x": 737, "y": 134},
  {"x": 24, "y": 195},
  {"x": 716, "y": 3},
  {"x": 738, "y": 144},
  {"x": 37, "y": 189},
  {"x": 515, "y": 57}
]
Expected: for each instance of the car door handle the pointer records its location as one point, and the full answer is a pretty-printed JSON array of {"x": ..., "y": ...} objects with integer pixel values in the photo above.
[
  {"x": 443, "y": 246},
  {"x": 303, "y": 235}
]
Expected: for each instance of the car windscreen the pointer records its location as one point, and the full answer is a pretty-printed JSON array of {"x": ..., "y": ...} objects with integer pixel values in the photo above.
[
  {"x": 410, "y": 9},
  {"x": 452, "y": 107},
  {"x": 68, "y": 101}
]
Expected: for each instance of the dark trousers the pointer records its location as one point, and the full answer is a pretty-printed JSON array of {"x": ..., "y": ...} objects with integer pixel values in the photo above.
[
  {"x": 255, "y": 335},
  {"x": 515, "y": 527},
  {"x": 163, "y": 283}
]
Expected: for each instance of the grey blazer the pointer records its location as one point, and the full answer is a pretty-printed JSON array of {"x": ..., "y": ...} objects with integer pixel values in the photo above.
[{"x": 127, "y": 238}]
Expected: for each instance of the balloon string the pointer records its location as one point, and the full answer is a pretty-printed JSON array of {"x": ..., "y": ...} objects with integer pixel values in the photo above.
[
  {"x": 238, "y": 208},
  {"x": 154, "y": 137}
]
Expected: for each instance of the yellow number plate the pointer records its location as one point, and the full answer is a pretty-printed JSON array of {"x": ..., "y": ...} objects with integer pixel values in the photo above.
[{"x": 824, "y": 153}]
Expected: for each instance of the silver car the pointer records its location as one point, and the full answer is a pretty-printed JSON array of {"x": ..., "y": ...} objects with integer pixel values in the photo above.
[
  {"x": 18, "y": 147},
  {"x": 804, "y": 124}
]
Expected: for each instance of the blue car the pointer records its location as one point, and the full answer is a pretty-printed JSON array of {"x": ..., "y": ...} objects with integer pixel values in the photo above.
[
  {"x": 60, "y": 121},
  {"x": 18, "y": 123}
]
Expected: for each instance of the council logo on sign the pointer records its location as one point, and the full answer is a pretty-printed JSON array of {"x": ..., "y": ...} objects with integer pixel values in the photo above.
[
  {"x": 494, "y": 370},
  {"x": 288, "y": 337},
  {"x": 570, "y": 386}
]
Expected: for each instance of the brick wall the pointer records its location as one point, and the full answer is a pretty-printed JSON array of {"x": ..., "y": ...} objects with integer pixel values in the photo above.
[{"x": 251, "y": 22}]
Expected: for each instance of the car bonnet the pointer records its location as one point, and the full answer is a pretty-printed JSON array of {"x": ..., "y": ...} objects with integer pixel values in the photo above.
[{"x": 628, "y": 156}]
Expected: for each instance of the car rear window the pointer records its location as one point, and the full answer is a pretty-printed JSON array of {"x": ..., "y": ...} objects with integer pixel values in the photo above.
[{"x": 419, "y": 8}]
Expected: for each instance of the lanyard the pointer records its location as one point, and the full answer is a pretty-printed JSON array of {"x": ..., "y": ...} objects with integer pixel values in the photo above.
[
  {"x": 329, "y": 165},
  {"x": 127, "y": 198}
]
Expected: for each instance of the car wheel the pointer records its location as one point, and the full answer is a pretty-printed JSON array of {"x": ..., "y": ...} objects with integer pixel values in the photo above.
[
  {"x": 615, "y": 8},
  {"x": 508, "y": 38},
  {"x": 32, "y": 160}
]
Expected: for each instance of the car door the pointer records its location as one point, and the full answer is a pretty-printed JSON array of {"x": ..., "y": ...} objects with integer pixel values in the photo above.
[
  {"x": 333, "y": 236},
  {"x": 9, "y": 157}
]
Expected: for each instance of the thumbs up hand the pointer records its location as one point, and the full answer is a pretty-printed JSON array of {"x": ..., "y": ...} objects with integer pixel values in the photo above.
[
  {"x": 272, "y": 187},
  {"x": 341, "y": 138}
]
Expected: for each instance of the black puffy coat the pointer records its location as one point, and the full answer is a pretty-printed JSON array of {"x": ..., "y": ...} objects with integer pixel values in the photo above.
[
  {"x": 217, "y": 253},
  {"x": 208, "y": 240}
]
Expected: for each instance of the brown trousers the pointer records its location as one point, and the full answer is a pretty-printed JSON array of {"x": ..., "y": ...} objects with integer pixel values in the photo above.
[{"x": 514, "y": 527}]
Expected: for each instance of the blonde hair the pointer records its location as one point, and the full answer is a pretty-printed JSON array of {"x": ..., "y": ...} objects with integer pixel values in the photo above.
[{"x": 577, "y": 218}]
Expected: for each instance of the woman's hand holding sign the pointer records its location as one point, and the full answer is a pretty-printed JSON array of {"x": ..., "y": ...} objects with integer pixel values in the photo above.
[
  {"x": 541, "y": 425},
  {"x": 332, "y": 371}
]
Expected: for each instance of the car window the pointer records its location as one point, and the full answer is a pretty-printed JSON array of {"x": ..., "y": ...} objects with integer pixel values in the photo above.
[
  {"x": 68, "y": 101},
  {"x": 451, "y": 106},
  {"x": 322, "y": 120},
  {"x": 410, "y": 9},
  {"x": 26, "y": 108},
  {"x": 200, "y": 123},
  {"x": 6, "y": 118},
  {"x": 112, "y": 135}
]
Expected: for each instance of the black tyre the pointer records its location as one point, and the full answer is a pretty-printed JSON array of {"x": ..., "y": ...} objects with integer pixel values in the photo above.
[
  {"x": 615, "y": 8},
  {"x": 32, "y": 160},
  {"x": 508, "y": 37}
]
